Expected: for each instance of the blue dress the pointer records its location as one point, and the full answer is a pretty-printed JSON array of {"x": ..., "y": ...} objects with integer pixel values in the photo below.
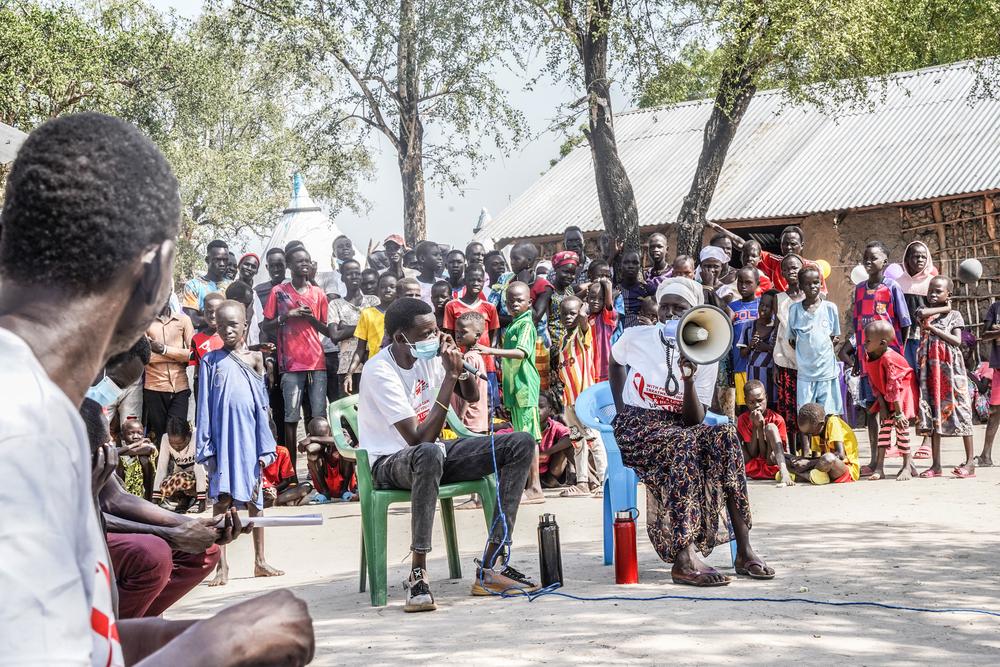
[{"x": 232, "y": 432}]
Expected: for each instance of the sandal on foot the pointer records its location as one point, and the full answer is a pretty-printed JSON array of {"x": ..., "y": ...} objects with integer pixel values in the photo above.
[
  {"x": 923, "y": 453},
  {"x": 699, "y": 579},
  {"x": 875, "y": 476},
  {"x": 574, "y": 492},
  {"x": 930, "y": 473},
  {"x": 525, "y": 500},
  {"x": 866, "y": 470},
  {"x": 983, "y": 463},
  {"x": 745, "y": 570},
  {"x": 962, "y": 473}
]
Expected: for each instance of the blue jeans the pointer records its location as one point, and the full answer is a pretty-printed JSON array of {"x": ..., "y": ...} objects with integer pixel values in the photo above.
[{"x": 293, "y": 385}]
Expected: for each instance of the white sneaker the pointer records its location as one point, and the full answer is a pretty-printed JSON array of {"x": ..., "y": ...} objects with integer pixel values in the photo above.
[{"x": 418, "y": 592}]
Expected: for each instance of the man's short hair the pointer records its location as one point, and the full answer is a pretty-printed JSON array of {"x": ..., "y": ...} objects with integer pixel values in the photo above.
[
  {"x": 812, "y": 413},
  {"x": 386, "y": 276},
  {"x": 86, "y": 195},
  {"x": 421, "y": 248},
  {"x": 455, "y": 251},
  {"x": 442, "y": 283},
  {"x": 273, "y": 251},
  {"x": 752, "y": 385},
  {"x": 292, "y": 245},
  {"x": 794, "y": 229},
  {"x": 217, "y": 243},
  {"x": 877, "y": 245},
  {"x": 572, "y": 228},
  {"x": 140, "y": 349},
  {"x": 239, "y": 291},
  {"x": 402, "y": 312}
]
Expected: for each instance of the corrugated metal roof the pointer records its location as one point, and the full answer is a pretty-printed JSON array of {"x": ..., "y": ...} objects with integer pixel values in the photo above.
[{"x": 927, "y": 137}]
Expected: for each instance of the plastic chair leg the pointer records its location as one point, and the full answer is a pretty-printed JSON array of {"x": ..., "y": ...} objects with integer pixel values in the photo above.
[
  {"x": 376, "y": 536},
  {"x": 609, "y": 519},
  {"x": 451, "y": 537},
  {"x": 364, "y": 563}
]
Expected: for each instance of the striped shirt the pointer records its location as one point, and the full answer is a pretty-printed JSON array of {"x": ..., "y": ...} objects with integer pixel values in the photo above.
[{"x": 576, "y": 363}]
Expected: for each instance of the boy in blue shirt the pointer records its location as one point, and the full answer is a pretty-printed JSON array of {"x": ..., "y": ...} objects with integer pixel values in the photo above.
[
  {"x": 744, "y": 314},
  {"x": 813, "y": 330}
]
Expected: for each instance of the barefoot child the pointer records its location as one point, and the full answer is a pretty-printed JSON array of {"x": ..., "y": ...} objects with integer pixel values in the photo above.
[
  {"x": 556, "y": 449},
  {"x": 894, "y": 385},
  {"x": 281, "y": 486},
  {"x": 762, "y": 432},
  {"x": 471, "y": 301},
  {"x": 945, "y": 401},
  {"x": 576, "y": 373},
  {"x": 603, "y": 320},
  {"x": 785, "y": 365},
  {"x": 756, "y": 344},
  {"x": 834, "y": 442},
  {"x": 370, "y": 330},
  {"x": 234, "y": 438},
  {"x": 332, "y": 475},
  {"x": 745, "y": 311},
  {"x": 178, "y": 478},
  {"x": 814, "y": 330},
  {"x": 469, "y": 328},
  {"x": 521, "y": 383},
  {"x": 207, "y": 338}
]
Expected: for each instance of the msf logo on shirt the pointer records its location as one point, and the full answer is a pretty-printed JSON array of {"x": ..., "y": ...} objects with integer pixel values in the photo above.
[
  {"x": 655, "y": 397},
  {"x": 421, "y": 400}
]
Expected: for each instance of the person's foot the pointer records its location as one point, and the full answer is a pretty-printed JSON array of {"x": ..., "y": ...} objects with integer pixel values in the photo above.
[
  {"x": 508, "y": 581},
  {"x": 930, "y": 473},
  {"x": 221, "y": 577},
  {"x": 581, "y": 490},
  {"x": 532, "y": 497},
  {"x": 690, "y": 570},
  {"x": 262, "y": 569},
  {"x": 198, "y": 507},
  {"x": 183, "y": 505},
  {"x": 906, "y": 473},
  {"x": 750, "y": 565},
  {"x": 965, "y": 471},
  {"x": 923, "y": 452},
  {"x": 876, "y": 475},
  {"x": 984, "y": 461},
  {"x": 418, "y": 592},
  {"x": 787, "y": 479},
  {"x": 470, "y": 504}
]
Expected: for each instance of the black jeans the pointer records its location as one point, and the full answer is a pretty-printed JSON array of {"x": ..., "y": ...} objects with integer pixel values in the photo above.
[
  {"x": 424, "y": 467},
  {"x": 159, "y": 406},
  {"x": 332, "y": 386}
]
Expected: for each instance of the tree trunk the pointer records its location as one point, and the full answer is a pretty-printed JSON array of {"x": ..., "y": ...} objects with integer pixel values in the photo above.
[
  {"x": 411, "y": 128},
  {"x": 736, "y": 89},
  {"x": 614, "y": 190},
  {"x": 411, "y": 172}
]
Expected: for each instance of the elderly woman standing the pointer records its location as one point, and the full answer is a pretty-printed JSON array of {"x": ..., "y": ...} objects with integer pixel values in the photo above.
[{"x": 690, "y": 470}]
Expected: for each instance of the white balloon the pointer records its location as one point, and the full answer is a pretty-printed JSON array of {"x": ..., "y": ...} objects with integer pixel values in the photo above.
[
  {"x": 858, "y": 275},
  {"x": 893, "y": 271}
]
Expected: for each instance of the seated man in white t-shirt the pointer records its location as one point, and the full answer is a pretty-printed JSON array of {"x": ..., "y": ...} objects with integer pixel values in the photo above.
[
  {"x": 405, "y": 392},
  {"x": 89, "y": 221}
]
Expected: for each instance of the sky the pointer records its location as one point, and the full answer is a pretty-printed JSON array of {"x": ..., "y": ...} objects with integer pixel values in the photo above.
[{"x": 452, "y": 214}]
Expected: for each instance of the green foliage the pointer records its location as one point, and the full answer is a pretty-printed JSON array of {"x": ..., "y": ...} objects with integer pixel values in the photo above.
[
  {"x": 693, "y": 75},
  {"x": 232, "y": 116}
]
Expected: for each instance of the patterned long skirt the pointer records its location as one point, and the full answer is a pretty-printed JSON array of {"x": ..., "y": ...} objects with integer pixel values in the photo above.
[
  {"x": 688, "y": 472},
  {"x": 786, "y": 398}
]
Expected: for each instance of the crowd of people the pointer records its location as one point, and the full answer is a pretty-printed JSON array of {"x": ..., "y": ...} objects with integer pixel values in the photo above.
[{"x": 155, "y": 403}]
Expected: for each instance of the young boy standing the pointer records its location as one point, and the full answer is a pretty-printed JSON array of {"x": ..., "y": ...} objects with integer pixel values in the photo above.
[
  {"x": 603, "y": 319},
  {"x": 440, "y": 296},
  {"x": 576, "y": 373},
  {"x": 469, "y": 331},
  {"x": 470, "y": 301},
  {"x": 233, "y": 438},
  {"x": 521, "y": 383},
  {"x": 207, "y": 338},
  {"x": 756, "y": 344},
  {"x": 813, "y": 330},
  {"x": 745, "y": 311},
  {"x": 895, "y": 387}
]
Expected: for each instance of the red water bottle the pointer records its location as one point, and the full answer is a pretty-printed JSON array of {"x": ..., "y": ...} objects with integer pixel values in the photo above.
[{"x": 626, "y": 563}]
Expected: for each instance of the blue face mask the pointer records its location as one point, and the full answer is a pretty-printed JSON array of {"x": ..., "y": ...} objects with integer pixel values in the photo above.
[
  {"x": 105, "y": 392},
  {"x": 424, "y": 349}
]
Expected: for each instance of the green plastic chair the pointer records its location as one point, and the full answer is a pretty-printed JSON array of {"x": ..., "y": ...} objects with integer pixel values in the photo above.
[{"x": 375, "y": 502}]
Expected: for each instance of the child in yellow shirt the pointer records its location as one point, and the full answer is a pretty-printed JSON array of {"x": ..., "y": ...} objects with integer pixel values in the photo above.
[{"x": 834, "y": 448}]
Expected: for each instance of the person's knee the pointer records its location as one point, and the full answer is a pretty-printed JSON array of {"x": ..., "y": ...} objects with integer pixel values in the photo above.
[
  {"x": 522, "y": 445},
  {"x": 771, "y": 432},
  {"x": 154, "y": 559},
  {"x": 826, "y": 461},
  {"x": 212, "y": 556},
  {"x": 428, "y": 458}
]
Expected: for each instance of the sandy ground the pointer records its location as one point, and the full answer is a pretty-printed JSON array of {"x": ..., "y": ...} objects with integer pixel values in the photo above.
[{"x": 926, "y": 543}]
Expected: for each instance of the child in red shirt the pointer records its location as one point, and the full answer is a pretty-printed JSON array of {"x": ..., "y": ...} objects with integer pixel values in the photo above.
[
  {"x": 895, "y": 387},
  {"x": 603, "y": 320},
  {"x": 207, "y": 339},
  {"x": 764, "y": 437},
  {"x": 279, "y": 481}
]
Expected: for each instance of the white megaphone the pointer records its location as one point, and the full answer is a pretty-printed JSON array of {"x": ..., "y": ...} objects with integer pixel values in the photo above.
[{"x": 703, "y": 336}]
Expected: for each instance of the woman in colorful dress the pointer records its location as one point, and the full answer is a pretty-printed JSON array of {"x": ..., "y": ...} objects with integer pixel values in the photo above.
[{"x": 690, "y": 470}]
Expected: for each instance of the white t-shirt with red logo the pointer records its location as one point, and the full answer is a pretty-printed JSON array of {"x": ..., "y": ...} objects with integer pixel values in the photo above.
[
  {"x": 389, "y": 394},
  {"x": 642, "y": 353},
  {"x": 55, "y": 607}
]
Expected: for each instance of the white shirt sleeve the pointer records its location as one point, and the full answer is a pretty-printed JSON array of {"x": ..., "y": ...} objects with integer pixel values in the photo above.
[{"x": 391, "y": 399}]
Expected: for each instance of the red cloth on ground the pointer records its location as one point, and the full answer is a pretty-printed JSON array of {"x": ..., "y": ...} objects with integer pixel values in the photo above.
[
  {"x": 845, "y": 478},
  {"x": 280, "y": 469},
  {"x": 892, "y": 378},
  {"x": 150, "y": 576},
  {"x": 554, "y": 432}
]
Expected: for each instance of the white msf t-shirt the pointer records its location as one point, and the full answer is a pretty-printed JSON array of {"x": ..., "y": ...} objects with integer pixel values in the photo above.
[
  {"x": 55, "y": 581},
  {"x": 639, "y": 349},
  {"x": 389, "y": 394}
]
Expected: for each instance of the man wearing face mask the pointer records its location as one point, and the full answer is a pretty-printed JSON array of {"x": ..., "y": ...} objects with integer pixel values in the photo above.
[
  {"x": 405, "y": 392},
  {"x": 166, "y": 391}
]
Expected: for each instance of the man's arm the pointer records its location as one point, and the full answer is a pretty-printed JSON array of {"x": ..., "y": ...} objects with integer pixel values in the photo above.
[
  {"x": 737, "y": 240},
  {"x": 415, "y": 432}
]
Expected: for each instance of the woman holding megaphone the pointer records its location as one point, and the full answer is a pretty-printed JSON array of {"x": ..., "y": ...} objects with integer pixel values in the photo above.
[{"x": 690, "y": 469}]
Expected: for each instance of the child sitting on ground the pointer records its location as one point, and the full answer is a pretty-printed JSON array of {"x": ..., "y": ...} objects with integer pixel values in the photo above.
[
  {"x": 894, "y": 385},
  {"x": 470, "y": 328},
  {"x": 834, "y": 442},
  {"x": 280, "y": 483},
  {"x": 136, "y": 460},
  {"x": 555, "y": 458},
  {"x": 179, "y": 480},
  {"x": 945, "y": 400},
  {"x": 762, "y": 432},
  {"x": 745, "y": 311},
  {"x": 814, "y": 330},
  {"x": 332, "y": 475}
]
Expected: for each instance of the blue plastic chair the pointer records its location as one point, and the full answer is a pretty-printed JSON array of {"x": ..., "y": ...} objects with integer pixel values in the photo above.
[{"x": 595, "y": 407}]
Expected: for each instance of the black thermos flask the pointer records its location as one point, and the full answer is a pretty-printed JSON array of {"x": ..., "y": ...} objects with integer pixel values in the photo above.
[{"x": 549, "y": 553}]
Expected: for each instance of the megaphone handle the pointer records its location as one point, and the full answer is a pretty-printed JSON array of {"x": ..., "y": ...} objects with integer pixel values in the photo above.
[{"x": 672, "y": 385}]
